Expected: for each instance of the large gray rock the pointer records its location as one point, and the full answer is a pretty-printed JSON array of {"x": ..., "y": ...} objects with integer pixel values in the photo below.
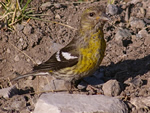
[{"x": 77, "y": 103}]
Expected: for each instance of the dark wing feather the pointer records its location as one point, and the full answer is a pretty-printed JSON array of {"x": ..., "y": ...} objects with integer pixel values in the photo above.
[{"x": 53, "y": 64}]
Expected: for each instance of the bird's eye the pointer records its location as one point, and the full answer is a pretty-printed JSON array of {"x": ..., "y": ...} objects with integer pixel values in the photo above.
[{"x": 91, "y": 14}]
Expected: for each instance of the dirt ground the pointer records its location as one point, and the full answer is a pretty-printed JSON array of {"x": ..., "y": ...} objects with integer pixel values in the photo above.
[{"x": 127, "y": 57}]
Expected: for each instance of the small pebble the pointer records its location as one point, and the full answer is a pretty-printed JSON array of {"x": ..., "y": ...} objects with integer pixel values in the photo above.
[
  {"x": 28, "y": 60},
  {"x": 22, "y": 44},
  {"x": 147, "y": 40},
  {"x": 20, "y": 103},
  {"x": 112, "y": 9},
  {"x": 38, "y": 62},
  {"x": 16, "y": 58},
  {"x": 137, "y": 82},
  {"x": 143, "y": 33},
  {"x": 27, "y": 29},
  {"x": 122, "y": 34},
  {"x": 57, "y": 5},
  {"x": 57, "y": 16},
  {"x": 19, "y": 27},
  {"x": 8, "y": 50},
  {"x": 45, "y": 5},
  {"x": 137, "y": 23},
  {"x": 111, "y": 88}
]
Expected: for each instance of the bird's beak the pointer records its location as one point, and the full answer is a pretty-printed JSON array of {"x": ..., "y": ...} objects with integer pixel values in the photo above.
[{"x": 103, "y": 17}]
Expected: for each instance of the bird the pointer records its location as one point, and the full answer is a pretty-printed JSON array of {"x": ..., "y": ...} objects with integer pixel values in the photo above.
[{"x": 83, "y": 55}]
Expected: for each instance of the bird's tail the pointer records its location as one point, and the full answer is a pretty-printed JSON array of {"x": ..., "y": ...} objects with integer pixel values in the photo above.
[{"x": 30, "y": 74}]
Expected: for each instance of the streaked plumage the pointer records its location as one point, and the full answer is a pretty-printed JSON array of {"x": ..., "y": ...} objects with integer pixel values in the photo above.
[{"x": 82, "y": 56}]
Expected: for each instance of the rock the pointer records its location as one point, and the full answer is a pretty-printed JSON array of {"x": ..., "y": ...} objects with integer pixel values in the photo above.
[
  {"x": 112, "y": 88},
  {"x": 123, "y": 37},
  {"x": 22, "y": 44},
  {"x": 112, "y": 9},
  {"x": 19, "y": 102},
  {"x": 122, "y": 34},
  {"x": 142, "y": 33},
  {"x": 57, "y": 16},
  {"x": 57, "y": 5},
  {"x": 8, "y": 50},
  {"x": 127, "y": 14},
  {"x": 147, "y": 40},
  {"x": 138, "y": 43},
  {"x": 76, "y": 103},
  {"x": 50, "y": 83},
  {"x": 27, "y": 29},
  {"x": 34, "y": 39},
  {"x": 16, "y": 58},
  {"x": 38, "y": 61},
  {"x": 137, "y": 82},
  {"x": 148, "y": 12},
  {"x": 146, "y": 20},
  {"x": 45, "y": 5},
  {"x": 57, "y": 84},
  {"x": 137, "y": 23},
  {"x": 81, "y": 85},
  {"x": 19, "y": 27},
  {"x": 141, "y": 102}
]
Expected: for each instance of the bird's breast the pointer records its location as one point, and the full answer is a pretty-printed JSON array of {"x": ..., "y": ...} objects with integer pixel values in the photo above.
[{"x": 90, "y": 54}]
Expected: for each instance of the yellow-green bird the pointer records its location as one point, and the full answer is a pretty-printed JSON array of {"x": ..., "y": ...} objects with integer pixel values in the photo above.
[{"x": 83, "y": 55}]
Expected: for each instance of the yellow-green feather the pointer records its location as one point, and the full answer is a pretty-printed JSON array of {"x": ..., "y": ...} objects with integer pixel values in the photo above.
[
  {"x": 92, "y": 54},
  {"x": 91, "y": 47}
]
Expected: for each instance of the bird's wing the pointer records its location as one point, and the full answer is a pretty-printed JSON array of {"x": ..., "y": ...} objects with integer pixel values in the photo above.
[{"x": 66, "y": 57}]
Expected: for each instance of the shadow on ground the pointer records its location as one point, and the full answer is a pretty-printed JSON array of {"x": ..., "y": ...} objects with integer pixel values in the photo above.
[{"x": 128, "y": 68}]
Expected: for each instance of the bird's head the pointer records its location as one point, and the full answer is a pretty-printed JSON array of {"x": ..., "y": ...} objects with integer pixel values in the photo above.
[{"x": 93, "y": 17}]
